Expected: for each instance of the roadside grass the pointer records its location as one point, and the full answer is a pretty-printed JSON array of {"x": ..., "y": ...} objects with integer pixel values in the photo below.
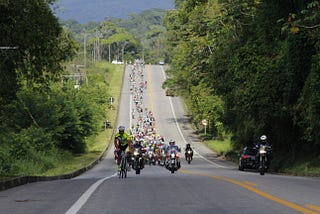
[
  {"x": 223, "y": 148},
  {"x": 303, "y": 169},
  {"x": 300, "y": 165},
  {"x": 96, "y": 145}
]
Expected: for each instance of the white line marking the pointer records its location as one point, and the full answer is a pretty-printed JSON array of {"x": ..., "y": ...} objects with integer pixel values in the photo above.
[
  {"x": 130, "y": 111},
  {"x": 180, "y": 132},
  {"x": 85, "y": 196}
]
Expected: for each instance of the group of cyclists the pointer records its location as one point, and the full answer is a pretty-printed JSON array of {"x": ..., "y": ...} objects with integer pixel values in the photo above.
[{"x": 142, "y": 134}]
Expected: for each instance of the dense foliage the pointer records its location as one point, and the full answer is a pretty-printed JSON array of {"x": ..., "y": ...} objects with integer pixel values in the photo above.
[
  {"x": 35, "y": 50},
  {"x": 148, "y": 28},
  {"x": 259, "y": 60},
  {"x": 42, "y": 118}
]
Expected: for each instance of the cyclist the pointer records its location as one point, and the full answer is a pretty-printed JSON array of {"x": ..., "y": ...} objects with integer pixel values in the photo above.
[{"x": 122, "y": 142}]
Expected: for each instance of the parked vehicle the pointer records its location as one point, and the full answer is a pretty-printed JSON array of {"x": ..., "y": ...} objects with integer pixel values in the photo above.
[{"x": 248, "y": 158}]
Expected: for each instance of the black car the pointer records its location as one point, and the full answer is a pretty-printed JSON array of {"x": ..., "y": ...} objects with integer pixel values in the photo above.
[{"x": 247, "y": 158}]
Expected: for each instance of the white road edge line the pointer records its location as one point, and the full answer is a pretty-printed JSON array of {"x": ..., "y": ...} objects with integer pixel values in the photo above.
[
  {"x": 85, "y": 196},
  {"x": 180, "y": 132}
]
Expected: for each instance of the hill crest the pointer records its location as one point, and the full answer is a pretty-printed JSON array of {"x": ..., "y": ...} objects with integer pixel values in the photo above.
[{"x": 97, "y": 10}]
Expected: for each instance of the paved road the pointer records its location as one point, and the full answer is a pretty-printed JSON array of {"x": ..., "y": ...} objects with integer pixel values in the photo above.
[{"x": 207, "y": 185}]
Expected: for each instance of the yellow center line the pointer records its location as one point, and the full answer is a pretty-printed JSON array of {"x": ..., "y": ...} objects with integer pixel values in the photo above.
[
  {"x": 150, "y": 93},
  {"x": 259, "y": 192},
  {"x": 251, "y": 183},
  {"x": 314, "y": 207}
]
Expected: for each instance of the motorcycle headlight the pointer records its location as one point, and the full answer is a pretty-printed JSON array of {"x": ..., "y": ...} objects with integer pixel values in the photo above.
[
  {"x": 262, "y": 151},
  {"x": 189, "y": 152},
  {"x": 135, "y": 153},
  {"x": 172, "y": 155}
]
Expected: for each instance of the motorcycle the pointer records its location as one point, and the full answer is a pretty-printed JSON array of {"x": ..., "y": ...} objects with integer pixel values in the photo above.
[
  {"x": 161, "y": 160},
  {"x": 151, "y": 157},
  {"x": 189, "y": 154},
  {"x": 172, "y": 161},
  {"x": 137, "y": 160},
  {"x": 263, "y": 158}
]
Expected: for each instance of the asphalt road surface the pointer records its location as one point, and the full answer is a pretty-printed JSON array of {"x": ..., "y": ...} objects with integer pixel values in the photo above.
[{"x": 207, "y": 185}]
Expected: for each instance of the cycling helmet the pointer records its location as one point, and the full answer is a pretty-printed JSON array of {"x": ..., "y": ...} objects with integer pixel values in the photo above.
[
  {"x": 121, "y": 128},
  {"x": 171, "y": 142},
  {"x": 263, "y": 137}
]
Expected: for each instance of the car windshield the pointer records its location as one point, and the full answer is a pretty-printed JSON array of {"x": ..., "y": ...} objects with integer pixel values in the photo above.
[{"x": 250, "y": 151}]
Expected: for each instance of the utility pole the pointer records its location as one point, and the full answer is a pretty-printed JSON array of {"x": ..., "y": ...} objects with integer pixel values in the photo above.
[
  {"x": 85, "y": 57},
  {"x": 109, "y": 53},
  {"x": 97, "y": 48},
  {"x": 84, "y": 52}
]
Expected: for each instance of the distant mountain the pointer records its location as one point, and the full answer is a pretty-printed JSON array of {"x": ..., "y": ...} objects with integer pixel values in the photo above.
[{"x": 84, "y": 11}]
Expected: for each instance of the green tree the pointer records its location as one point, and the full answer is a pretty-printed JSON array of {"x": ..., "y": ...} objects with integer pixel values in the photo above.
[
  {"x": 40, "y": 45},
  {"x": 260, "y": 58}
]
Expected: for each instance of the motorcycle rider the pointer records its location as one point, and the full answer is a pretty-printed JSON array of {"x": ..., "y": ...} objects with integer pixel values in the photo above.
[
  {"x": 188, "y": 148},
  {"x": 173, "y": 147},
  {"x": 263, "y": 142},
  {"x": 138, "y": 145},
  {"x": 122, "y": 142}
]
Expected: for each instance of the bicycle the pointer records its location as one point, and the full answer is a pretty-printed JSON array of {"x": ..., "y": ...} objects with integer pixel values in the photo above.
[{"x": 123, "y": 165}]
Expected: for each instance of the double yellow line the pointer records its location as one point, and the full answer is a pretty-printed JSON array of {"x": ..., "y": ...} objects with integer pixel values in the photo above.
[{"x": 249, "y": 186}]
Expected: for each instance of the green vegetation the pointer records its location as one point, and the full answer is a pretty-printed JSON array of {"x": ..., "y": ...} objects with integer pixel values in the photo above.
[
  {"x": 61, "y": 131},
  {"x": 247, "y": 67},
  {"x": 250, "y": 68},
  {"x": 96, "y": 144},
  {"x": 52, "y": 117},
  {"x": 140, "y": 36},
  {"x": 221, "y": 147}
]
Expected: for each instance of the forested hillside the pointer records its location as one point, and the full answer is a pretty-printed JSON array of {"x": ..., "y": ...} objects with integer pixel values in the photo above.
[
  {"x": 84, "y": 11},
  {"x": 146, "y": 28},
  {"x": 251, "y": 68}
]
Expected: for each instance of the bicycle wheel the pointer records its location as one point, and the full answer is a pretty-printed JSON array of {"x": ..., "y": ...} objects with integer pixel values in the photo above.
[{"x": 123, "y": 167}]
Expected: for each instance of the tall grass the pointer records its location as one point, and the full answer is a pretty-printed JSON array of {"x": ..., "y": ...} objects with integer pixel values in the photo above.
[{"x": 221, "y": 147}]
